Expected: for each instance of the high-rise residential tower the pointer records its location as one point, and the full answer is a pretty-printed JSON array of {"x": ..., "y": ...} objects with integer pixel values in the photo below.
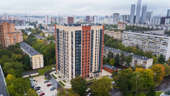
[
  {"x": 79, "y": 50},
  {"x": 168, "y": 13},
  {"x": 144, "y": 13},
  {"x": 138, "y": 11},
  {"x": 148, "y": 17},
  {"x": 116, "y": 17},
  {"x": 132, "y": 13}
]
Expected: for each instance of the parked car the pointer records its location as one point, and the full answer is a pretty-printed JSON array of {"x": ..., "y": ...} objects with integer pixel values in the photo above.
[
  {"x": 53, "y": 88},
  {"x": 41, "y": 94},
  {"x": 48, "y": 85},
  {"x": 37, "y": 88},
  {"x": 39, "y": 91},
  {"x": 46, "y": 81}
]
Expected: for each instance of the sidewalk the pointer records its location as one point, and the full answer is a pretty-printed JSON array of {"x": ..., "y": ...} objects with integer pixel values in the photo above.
[{"x": 61, "y": 81}]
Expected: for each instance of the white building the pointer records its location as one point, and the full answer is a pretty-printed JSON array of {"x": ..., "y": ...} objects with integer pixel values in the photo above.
[
  {"x": 158, "y": 44},
  {"x": 167, "y": 21},
  {"x": 141, "y": 61},
  {"x": 156, "y": 20}
]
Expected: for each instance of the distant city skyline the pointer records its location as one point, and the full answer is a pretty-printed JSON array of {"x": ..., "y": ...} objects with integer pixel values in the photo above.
[{"x": 79, "y": 7}]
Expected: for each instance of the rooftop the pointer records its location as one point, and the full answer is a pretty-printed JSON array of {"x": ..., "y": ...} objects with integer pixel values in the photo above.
[
  {"x": 81, "y": 24},
  {"x": 110, "y": 67},
  {"x": 28, "y": 49},
  {"x": 150, "y": 33},
  {"x": 125, "y": 53}
]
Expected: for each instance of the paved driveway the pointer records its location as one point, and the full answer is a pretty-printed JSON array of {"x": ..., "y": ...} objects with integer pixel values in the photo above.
[{"x": 44, "y": 88}]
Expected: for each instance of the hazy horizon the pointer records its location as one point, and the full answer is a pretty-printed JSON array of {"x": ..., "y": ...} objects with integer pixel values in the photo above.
[{"x": 79, "y": 7}]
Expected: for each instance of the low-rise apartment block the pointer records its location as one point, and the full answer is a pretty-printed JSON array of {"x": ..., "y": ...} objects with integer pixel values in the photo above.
[
  {"x": 115, "y": 35},
  {"x": 36, "y": 58},
  {"x": 137, "y": 60},
  {"x": 156, "y": 43},
  {"x": 141, "y": 61}
]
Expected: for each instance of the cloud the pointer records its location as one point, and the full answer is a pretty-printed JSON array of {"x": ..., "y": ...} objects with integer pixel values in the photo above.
[{"x": 77, "y": 7}]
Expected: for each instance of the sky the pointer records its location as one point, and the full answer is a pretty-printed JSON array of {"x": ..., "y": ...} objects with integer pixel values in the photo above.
[{"x": 79, "y": 7}]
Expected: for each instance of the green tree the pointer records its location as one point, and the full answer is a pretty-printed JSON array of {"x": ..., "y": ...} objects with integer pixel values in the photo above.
[
  {"x": 161, "y": 59},
  {"x": 122, "y": 59},
  {"x": 167, "y": 69},
  {"x": 17, "y": 86},
  {"x": 159, "y": 72},
  {"x": 79, "y": 85},
  {"x": 110, "y": 55},
  {"x": 123, "y": 81},
  {"x": 155, "y": 60},
  {"x": 117, "y": 60},
  {"x": 31, "y": 92},
  {"x": 128, "y": 60},
  {"x": 135, "y": 83},
  {"x": 101, "y": 87},
  {"x": 112, "y": 62},
  {"x": 105, "y": 60},
  {"x": 143, "y": 81},
  {"x": 61, "y": 92},
  {"x": 68, "y": 92},
  {"x": 10, "y": 68},
  {"x": 168, "y": 62}
]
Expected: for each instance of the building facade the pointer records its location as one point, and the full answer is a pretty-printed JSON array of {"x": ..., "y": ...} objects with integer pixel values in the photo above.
[
  {"x": 132, "y": 13},
  {"x": 79, "y": 50},
  {"x": 148, "y": 17},
  {"x": 116, "y": 18},
  {"x": 156, "y": 43},
  {"x": 156, "y": 20},
  {"x": 168, "y": 13},
  {"x": 143, "y": 16},
  {"x": 8, "y": 35},
  {"x": 70, "y": 20},
  {"x": 141, "y": 61},
  {"x": 138, "y": 11},
  {"x": 36, "y": 58},
  {"x": 3, "y": 85}
]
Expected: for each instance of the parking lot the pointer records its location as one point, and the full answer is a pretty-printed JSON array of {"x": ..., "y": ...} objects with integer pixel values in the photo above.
[{"x": 44, "y": 87}]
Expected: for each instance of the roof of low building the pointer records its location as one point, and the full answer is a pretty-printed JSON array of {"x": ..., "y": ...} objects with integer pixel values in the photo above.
[{"x": 29, "y": 50}]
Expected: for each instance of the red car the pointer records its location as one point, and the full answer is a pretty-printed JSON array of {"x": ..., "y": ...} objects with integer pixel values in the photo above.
[
  {"x": 42, "y": 94},
  {"x": 48, "y": 85}
]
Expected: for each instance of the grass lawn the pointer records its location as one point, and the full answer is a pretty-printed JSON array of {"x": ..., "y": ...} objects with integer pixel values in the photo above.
[
  {"x": 61, "y": 83},
  {"x": 45, "y": 69},
  {"x": 158, "y": 93},
  {"x": 54, "y": 76}
]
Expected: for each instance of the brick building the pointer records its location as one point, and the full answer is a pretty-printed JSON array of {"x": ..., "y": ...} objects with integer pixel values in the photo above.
[
  {"x": 8, "y": 35},
  {"x": 70, "y": 20}
]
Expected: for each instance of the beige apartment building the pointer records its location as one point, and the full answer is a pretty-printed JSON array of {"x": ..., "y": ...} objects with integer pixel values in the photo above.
[{"x": 36, "y": 58}]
